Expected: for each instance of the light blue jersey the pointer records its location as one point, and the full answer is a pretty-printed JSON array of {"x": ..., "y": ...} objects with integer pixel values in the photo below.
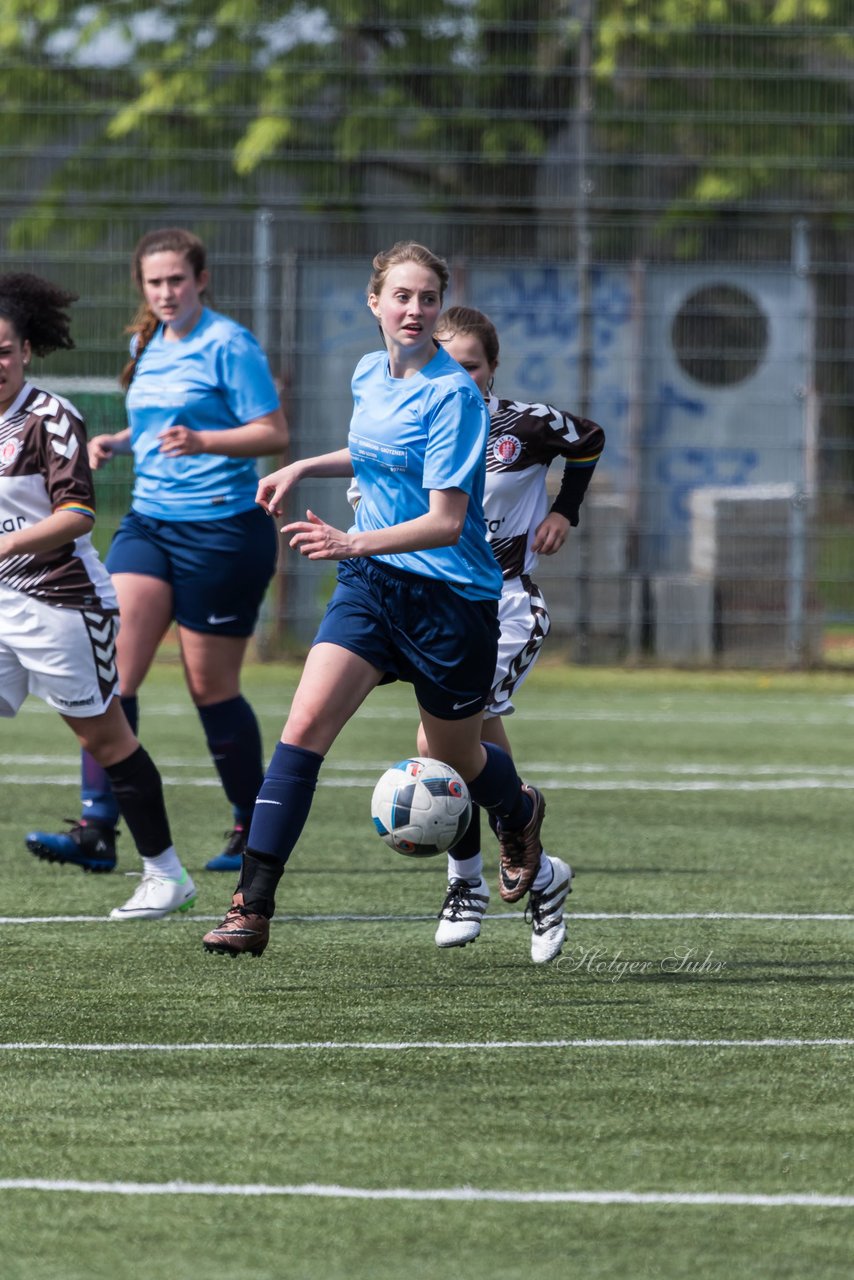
[
  {"x": 214, "y": 379},
  {"x": 411, "y": 435}
]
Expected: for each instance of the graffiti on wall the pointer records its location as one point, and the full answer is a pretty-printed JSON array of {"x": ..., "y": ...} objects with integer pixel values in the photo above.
[{"x": 667, "y": 433}]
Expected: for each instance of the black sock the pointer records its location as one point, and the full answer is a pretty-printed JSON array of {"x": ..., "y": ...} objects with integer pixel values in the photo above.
[
  {"x": 259, "y": 878},
  {"x": 139, "y": 792}
]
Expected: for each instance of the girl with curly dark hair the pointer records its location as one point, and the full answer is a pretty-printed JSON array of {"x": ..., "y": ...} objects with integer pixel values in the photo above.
[{"x": 58, "y": 609}]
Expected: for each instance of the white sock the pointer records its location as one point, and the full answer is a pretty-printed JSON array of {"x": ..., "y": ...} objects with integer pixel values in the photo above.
[
  {"x": 167, "y": 864},
  {"x": 465, "y": 868},
  {"x": 545, "y": 873}
]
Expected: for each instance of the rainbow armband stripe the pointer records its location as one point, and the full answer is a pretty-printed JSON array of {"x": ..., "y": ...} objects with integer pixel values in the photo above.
[{"x": 80, "y": 507}]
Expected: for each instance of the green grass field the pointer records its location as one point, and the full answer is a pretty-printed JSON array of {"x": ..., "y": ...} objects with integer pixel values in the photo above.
[{"x": 670, "y": 1098}]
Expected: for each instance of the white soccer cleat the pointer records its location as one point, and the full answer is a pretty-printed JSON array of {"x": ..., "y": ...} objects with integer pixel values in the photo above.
[
  {"x": 157, "y": 896},
  {"x": 545, "y": 912},
  {"x": 462, "y": 912}
]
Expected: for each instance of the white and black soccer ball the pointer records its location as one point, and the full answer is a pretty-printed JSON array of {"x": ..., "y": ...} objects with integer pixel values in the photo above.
[{"x": 420, "y": 807}]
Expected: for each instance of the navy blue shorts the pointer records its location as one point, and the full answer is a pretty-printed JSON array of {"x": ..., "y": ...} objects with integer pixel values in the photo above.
[
  {"x": 416, "y": 629},
  {"x": 218, "y": 570}
]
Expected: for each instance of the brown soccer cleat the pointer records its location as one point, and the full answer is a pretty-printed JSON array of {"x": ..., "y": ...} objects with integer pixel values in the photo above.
[
  {"x": 520, "y": 851},
  {"x": 241, "y": 932}
]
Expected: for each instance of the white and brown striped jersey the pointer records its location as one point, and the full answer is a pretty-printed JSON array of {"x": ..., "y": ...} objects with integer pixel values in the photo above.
[
  {"x": 44, "y": 468},
  {"x": 524, "y": 439}
]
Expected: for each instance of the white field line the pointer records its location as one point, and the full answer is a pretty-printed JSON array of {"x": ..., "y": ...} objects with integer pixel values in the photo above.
[
  {"x": 688, "y": 1199},
  {"x": 685, "y": 776},
  {"x": 570, "y": 769},
  {"x": 834, "y": 711},
  {"x": 552, "y": 782},
  {"x": 401, "y": 1046},
  {"x": 344, "y": 918}
]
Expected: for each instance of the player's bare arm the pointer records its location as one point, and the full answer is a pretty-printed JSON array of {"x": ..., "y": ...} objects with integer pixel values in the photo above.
[
  {"x": 259, "y": 438},
  {"x": 102, "y": 449},
  {"x": 54, "y": 531},
  {"x": 274, "y": 487},
  {"x": 440, "y": 527}
]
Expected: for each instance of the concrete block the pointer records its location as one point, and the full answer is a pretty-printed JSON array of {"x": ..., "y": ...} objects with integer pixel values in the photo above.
[{"x": 683, "y": 619}]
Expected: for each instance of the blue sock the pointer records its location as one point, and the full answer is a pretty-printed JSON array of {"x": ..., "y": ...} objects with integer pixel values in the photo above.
[
  {"x": 284, "y": 802},
  {"x": 98, "y": 802},
  {"x": 498, "y": 789},
  {"x": 234, "y": 741}
]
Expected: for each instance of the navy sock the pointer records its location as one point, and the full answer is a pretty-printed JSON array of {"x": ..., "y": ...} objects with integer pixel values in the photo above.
[
  {"x": 284, "y": 801},
  {"x": 130, "y": 706},
  {"x": 279, "y": 816},
  {"x": 99, "y": 805},
  {"x": 469, "y": 842},
  {"x": 234, "y": 741},
  {"x": 138, "y": 790},
  {"x": 498, "y": 789}
]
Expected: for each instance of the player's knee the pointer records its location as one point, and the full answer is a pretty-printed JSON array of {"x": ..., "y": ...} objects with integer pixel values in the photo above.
[
  {"x": 108, "y": 738},
  {"x": 208, "y": 689}
]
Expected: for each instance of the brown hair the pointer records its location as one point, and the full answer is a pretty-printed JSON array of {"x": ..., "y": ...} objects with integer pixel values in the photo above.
[
  {"x": 145, "y": 322},
  {"x": 468, "y": 320},
  {"x": 407, "y": 251}
]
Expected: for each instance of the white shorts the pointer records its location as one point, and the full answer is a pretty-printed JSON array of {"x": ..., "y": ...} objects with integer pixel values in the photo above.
[
  {"x": 524, "y": 621},
  {"x": 65, "y": 656}
]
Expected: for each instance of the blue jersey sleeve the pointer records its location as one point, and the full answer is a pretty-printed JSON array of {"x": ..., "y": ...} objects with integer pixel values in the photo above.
[
  {"x": 244, "y": 377},
  {"x": 458, "y": 427}
]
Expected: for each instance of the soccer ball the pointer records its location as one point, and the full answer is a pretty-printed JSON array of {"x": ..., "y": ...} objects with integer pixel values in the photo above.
[{"x": 420, "y": 807}]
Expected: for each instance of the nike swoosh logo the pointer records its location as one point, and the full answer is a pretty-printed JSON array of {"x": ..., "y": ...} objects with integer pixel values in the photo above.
[
  {"x": 214, "y": 621},
  {"x": 458, "y": 706}
]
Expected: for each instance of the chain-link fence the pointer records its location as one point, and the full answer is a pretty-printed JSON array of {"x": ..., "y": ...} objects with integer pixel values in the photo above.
[{"x": 654, "y": 202}]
